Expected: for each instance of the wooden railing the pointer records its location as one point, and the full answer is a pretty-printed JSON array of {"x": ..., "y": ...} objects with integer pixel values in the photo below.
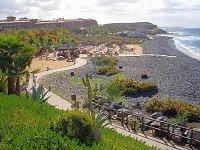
[{"x": 139, "y": 121}]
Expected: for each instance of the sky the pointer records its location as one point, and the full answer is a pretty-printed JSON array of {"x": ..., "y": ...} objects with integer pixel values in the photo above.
[{"x": 164, "y": 13}]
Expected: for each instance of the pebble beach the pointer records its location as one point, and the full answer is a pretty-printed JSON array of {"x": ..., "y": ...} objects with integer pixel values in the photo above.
[{"x": 177, "y": 77}]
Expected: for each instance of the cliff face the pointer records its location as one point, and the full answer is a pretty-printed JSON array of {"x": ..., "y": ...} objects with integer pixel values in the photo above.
[{"x": 142, "y": 27}]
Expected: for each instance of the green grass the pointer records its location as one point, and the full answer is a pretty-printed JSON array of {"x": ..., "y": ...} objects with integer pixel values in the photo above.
[{"x": 25, "y": 124}]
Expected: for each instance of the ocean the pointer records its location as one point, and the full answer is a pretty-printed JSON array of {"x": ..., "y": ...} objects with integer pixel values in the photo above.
[{"x": 187, "y": 40}]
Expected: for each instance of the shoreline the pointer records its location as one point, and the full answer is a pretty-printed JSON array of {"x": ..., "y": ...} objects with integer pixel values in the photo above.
[{"x": 177, "y": 77}]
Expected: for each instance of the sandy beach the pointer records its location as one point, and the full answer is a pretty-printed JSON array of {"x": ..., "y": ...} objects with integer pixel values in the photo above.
[{"x": 43, "y": 64}]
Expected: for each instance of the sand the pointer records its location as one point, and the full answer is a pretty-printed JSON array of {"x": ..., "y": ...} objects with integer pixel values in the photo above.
[
  {"x": 43, "y": 64},
  {"x": 130, "y": 49},
  {"x": 137, "y": 50}
]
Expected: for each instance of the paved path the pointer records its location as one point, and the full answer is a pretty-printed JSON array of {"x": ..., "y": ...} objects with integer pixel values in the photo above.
[
  {"x": 152, "y": 55},
  {"x": 54, "y": 99},
  {"x": 62, "y": 104}
]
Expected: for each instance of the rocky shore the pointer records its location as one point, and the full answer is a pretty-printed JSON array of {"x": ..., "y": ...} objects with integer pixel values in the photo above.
[{"x": 177, "y": 77}]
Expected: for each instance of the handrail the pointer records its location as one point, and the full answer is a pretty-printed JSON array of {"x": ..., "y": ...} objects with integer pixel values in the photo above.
[{"x": 124, "y": 118}]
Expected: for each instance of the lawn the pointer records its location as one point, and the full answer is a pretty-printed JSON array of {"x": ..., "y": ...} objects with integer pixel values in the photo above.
[{"x": 25, "y": 124}]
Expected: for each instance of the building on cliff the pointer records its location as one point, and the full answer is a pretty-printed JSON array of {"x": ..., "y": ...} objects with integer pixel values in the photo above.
[{"x": 11, "y": 23}]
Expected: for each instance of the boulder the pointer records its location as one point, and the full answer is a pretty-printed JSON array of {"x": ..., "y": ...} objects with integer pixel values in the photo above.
[
  {"x": 137, "y": 106},
  {"x": 157, "y": 124},
  {"x": 196, "y": 136},
  {"x": 148, "y": 121},
  {"x": 116, "y": 105},
  {"x": 156, "y": 115},
  {"x": 177, "y": 138},
  {"x": 85, "y": 104},
  {"x": 72, "y": 74}
]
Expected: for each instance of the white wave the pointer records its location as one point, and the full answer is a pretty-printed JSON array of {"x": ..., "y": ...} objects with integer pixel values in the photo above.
[
  {"x": 188, "y": 50},
  {"x": 188, "y": 38}
]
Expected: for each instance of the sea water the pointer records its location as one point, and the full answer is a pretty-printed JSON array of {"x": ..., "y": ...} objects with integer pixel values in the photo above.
[{"x": 187, "y": 40}]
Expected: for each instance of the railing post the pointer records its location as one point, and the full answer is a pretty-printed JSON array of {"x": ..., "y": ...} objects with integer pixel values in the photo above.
[
  {"x": 99, "y": 108},
  {"x": 49, "y": 88},
  {"x": 122, "y": 121},
  {"x": 161, "y": 129},
  {"x": 168, "y": 126},
  {"x": 142, "y": 123},
  {"x": 191, "y": 136},
  {"x": 134, "y": 125}
]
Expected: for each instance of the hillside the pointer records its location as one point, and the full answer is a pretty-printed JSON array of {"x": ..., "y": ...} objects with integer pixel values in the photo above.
[
  {"x": 142, "y": 27},
  {"x": 25, "y": 124}
]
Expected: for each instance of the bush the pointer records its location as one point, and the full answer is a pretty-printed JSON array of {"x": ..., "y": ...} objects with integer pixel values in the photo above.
[
  {"x": 174, "y": 108},
  {"x": 107, "y": 70},
  {"x": 24, "y": 124},
  {"x": 104, "y": 61},
  {"x": 131, "y": 87},
  {"x": 114, "y": 92},
  {"x": 78, "y": 125}
]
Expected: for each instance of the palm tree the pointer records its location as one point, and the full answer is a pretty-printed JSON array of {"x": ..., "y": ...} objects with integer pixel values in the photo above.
[
  {"x": 3, "y": 82},
  {"x": 12, "y": 51},
  {"x": 21, "y": 63}
]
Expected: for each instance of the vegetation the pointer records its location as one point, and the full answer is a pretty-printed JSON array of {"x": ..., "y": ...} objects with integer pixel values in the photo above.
[
  {"x": 102, "y": 39},
  {"x": 25, "y": 124},
  {"x": 3, "y": 83},
  {"x": 38, "y": 93},
  {"x": 104, "y": 61},
  {"x": 17, "y": 49},
  {"x": 131, "y": 87},
  {"x": 182, "y": 119},
  {"x": 15, "y": 56},
  {"x": 173, "y": 108},
  {"x": 107, "y": 70},
  {"x": 91, "y": 92},
  {"x": 113, "y": 91},
  {"x": 78, "y": 125}
]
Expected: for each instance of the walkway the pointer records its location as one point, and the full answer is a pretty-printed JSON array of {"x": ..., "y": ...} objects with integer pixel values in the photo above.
[
  {"x": 54, "y": 99},
  {"x": 62, "y": 104},
  {"x": 152, "y": 55}
]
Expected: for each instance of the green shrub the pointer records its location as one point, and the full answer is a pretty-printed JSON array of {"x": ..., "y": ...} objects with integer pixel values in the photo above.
[
  {"x": 104, "y": 61},
  {"x": 114, "y": 92},
  {"x": 131, "y": 87},
  {"x": 181, "y": 119},
  {"x": 107, "y": 70},
  {"x": 25, "y": 124},
  {"x": 78, "y": 125},
  {"x": 3, "y": 82},
  {"x": 174, "y": 108}
]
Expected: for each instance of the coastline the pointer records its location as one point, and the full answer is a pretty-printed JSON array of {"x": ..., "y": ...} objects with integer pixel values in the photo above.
[{"x": 177, "y": 77}]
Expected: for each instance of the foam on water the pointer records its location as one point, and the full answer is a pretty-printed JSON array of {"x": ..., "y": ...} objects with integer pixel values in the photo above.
[
  {"x": 188, "y": 50},
  {"x": 187, "y": 41}
]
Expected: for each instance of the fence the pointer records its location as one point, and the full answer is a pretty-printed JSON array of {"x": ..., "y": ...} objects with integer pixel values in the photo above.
[{"x": 126, "y": 118}]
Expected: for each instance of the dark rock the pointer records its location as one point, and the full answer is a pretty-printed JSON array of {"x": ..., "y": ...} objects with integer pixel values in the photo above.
[
  {"x": 156, "y": 115},
  {"x": 116, "y": 105},
  {"x": 85, "y": 105},
  {"x": 195, "y": 137},
  {"x": 144, "y": 76},
  {"x": 72, "y": 74},
  {"x": 137, "y": 105},
  {"x": 177, "y": 137}
]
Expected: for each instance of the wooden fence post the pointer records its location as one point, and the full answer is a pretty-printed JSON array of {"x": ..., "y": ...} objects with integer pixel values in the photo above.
[
  {"x": 142, "y": 123},
  {"x": 191, "y": 137},
  {"x": 161, "y": 129},
  {"x": 169, "y": 133},
  {"x": 122, "y": 121}
]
